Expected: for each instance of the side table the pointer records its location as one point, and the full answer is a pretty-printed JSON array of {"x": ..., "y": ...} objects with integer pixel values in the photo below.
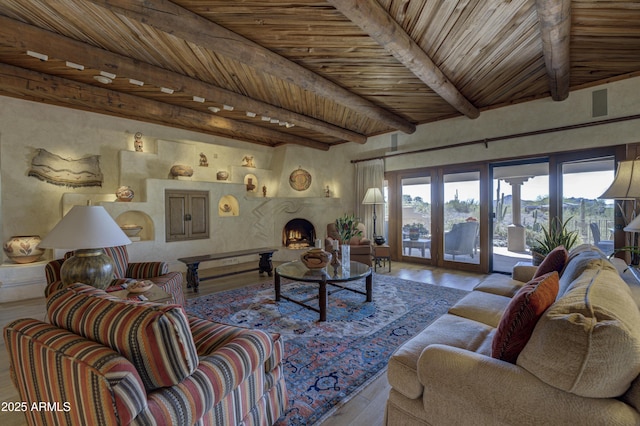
[
  {"x": 154, "y": 294},
  {"x": 381, "y": 252}
]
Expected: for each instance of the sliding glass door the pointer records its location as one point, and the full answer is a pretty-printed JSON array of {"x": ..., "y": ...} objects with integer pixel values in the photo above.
[
  {"x": 582, "y": 183},
  {"x": 520, "y": 207},
  {"x": 485, "y": 217}
]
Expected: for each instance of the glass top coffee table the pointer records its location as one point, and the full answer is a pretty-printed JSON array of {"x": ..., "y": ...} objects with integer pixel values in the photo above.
[{"x": 297, "y": 271}]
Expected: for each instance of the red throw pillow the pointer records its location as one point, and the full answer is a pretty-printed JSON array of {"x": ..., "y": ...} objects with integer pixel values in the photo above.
[
  {"x": 554, "y": 261},
  {"x": 522, "y": 315}
]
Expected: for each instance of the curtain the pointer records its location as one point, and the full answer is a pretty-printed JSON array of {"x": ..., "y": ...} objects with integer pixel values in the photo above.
[{"x": 369, "y": 174}]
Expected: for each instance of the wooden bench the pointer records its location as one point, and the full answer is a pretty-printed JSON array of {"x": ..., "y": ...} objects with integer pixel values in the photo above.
[{"x": 193, "y": 280}]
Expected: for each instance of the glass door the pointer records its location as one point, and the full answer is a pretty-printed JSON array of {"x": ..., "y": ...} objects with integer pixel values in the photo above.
[
  {"x": 582, "y": 183},
  {"x": 460, "y": 242},
  {"x": 520, "y": 207},
  {"x": 416, "y": 217}
]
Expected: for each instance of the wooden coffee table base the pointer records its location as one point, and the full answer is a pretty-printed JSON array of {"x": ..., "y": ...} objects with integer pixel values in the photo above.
[{"x": 323, "y": 293}]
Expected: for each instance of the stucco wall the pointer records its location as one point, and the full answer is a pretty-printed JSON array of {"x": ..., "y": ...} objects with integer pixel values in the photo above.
[
  {"x": 31, "y": 206},
  {"x": 623, "y": 100}
]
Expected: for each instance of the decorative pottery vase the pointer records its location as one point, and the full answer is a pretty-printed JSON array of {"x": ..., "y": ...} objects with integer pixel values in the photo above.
[
  {"x": 23, "y": 248},
  {"x": 250, "y": 185},
  {"x": 315, "y": 258},
  {"x": 222, "y": 175},
  {"x": 125, "y": 193},
  {"x": 180, "y": 170}
]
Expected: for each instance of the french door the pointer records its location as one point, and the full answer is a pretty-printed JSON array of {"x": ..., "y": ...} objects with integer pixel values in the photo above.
[{"x": 439, "y": 217}]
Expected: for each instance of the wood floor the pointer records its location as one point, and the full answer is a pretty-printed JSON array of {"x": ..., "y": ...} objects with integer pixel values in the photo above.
[{"x": 365, "y": 409}]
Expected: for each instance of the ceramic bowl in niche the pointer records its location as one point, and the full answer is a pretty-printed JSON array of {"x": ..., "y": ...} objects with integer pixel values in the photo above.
[{"x": 131, "y": 230}]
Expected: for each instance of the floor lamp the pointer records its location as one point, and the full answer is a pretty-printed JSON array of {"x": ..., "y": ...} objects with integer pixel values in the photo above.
[{"x": 374, "y": 197}]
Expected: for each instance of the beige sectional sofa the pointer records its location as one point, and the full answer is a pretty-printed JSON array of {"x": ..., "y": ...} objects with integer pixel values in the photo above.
[{"x": 580, "y": 365}]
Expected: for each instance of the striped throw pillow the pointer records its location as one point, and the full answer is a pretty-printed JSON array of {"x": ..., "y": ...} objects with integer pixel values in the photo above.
[{"x": 155, "y": 338}]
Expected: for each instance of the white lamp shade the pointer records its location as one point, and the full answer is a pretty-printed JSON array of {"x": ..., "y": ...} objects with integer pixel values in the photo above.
[
  {"x": 626, "y": 184},
  {"x": 85, "y": 227},
  {"x": 633, "y": 226},
  {"x": 373, "y": 196}
]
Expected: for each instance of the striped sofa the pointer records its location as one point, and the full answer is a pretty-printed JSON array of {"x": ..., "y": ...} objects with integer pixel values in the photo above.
[
  {"x": 158, "y": 272},
  {"x": 105, "y": 361}
]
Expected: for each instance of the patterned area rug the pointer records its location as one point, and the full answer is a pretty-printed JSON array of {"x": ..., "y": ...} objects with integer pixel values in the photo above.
[{"x": 327, "y": 363}]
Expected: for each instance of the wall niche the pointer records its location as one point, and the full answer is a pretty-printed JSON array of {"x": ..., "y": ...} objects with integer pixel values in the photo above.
[{"x": 136, "y": 217}]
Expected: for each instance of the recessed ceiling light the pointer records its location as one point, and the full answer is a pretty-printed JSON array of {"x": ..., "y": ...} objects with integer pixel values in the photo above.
[
  {"x": 214, "y": 109},
  {"x": 251, "y": 114},
  {"x": 102, "y": 79},
  {"x": 108, "y": 75},
  {"x": 227, "y": 107},
  {"x": 75, "y": 66},
  {"x": 264, "y": 118},
  {"x": 166, "y": 90},
  {"x": 274, "y": 121},
  {"x": 198, "y": 99},
  {"x": 136, "y": 82},
  {"x": 37, "y": 55},
  {"x": 289, "y": 125}
]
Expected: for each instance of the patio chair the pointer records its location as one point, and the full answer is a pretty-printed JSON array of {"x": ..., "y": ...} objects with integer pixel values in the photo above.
[
  {"x": 460, "y": 240},
  {"x": 605, "y": 245}
]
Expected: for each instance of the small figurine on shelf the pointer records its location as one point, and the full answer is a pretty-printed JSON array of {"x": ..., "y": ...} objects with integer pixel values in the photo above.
[
  {"x": 327, "y": 192},
  {"x": 247, "y": 161},
  {"x": 264, "y": 190},
  {"x": 137, "y": 143},
  {"x": 203, "y": 160}
]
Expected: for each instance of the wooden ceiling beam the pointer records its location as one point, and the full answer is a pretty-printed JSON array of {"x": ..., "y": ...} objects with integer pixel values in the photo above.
[
  {"x": 182, "y": 23},
  {"x": 555, "y": 30},
  {"x": 375, "y": 21},
  {"x": 19, "y": 82},
  {"x": 28, "y": 37}
]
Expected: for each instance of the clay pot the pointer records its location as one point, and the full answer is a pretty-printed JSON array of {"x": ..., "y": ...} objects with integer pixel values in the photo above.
[
  {"x": 222, "y": 175},
  {"x": 315, "y": 258},
  {"x": 180, "y": 170},
  {"x": 125, "y": 193},
  {"x": 23, "y": 248}
]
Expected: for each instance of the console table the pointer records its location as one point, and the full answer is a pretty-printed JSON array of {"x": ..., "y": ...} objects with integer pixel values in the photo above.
[{"x": 193, "y": 262}]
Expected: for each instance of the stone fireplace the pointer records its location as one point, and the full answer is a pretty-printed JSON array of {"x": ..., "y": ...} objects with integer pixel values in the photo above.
[{"x": 298, "y": 233}]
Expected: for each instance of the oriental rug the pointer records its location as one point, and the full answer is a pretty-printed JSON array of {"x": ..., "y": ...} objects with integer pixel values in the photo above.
[{"x": 327, "y": 363}]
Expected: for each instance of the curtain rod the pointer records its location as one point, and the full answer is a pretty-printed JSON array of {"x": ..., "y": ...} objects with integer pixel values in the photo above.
[{"x": 486, "y": 141}]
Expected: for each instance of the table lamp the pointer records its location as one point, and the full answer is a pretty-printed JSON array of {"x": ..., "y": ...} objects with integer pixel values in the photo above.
[
  {"x": 626, "y": 186},
  {"x": 374, "y": 196},
  {"x": 86, "y": 229}
]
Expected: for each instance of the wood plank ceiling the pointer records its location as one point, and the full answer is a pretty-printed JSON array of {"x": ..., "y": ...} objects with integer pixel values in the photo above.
[{"x": 312, "y": 73}]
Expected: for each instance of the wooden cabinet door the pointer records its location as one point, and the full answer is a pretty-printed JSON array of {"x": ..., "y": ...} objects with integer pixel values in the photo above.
[
  {"x": 187, "y": 215},
  {"x": 199, "y": 210}
]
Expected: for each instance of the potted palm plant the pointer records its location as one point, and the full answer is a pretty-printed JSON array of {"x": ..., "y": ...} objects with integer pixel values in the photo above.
[{"x": 556, "y": 235}]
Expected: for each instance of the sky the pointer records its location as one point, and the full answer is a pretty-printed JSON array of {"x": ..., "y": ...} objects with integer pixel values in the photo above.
[{"x": 578, "y": 185}]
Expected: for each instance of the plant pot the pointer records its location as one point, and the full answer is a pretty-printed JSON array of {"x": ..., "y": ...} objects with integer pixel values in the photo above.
[
  {"x": 537, "y": 258},
  {"x": 414, "y": 234}
]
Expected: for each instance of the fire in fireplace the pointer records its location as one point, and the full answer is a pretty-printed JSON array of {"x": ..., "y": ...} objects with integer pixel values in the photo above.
[{"x": 298, "y": 233}]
